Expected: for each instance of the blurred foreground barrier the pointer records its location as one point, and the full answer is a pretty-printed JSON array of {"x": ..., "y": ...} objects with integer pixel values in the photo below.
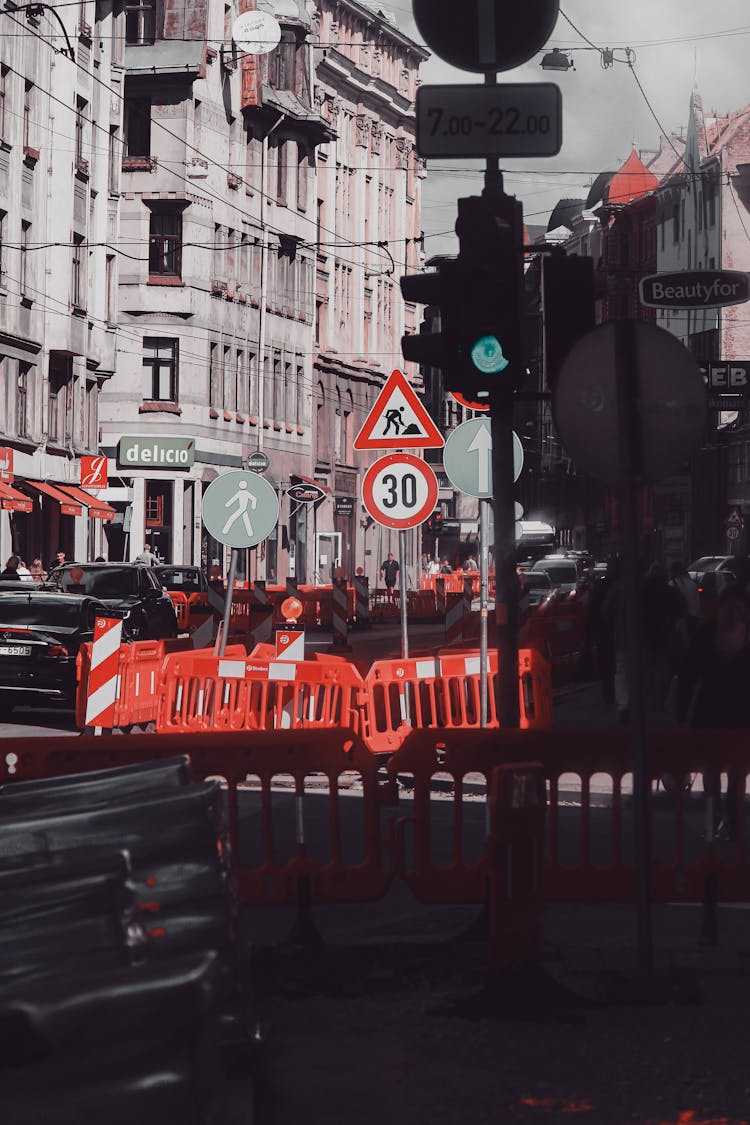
[
  {"x": 443, "y": 692},
  {"x": 589, "y": 853},
  {"x": 297, "y": 835},
  {"x": 559, "y": 630}
]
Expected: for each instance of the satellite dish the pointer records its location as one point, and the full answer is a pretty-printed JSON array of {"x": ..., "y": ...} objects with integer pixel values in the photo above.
[{"x": 256, "y": 33}]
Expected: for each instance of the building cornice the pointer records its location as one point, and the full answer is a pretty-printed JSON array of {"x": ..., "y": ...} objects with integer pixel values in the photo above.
[
  {"x": 386, "y": 29},
  {"x": 339, "y": 71}
]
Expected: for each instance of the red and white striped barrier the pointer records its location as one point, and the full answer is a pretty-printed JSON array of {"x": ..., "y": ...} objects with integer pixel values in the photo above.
[
  {"x": 361, "y": 601},
  {"x": 340, "y": 622},
  {"x": 454, "y": 618},
  {"x": 103, "y": 678}
]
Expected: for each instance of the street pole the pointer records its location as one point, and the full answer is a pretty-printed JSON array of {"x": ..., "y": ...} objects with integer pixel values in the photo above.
[
  {"x": 228, "y": 603},
  {"x": 501, "y": 422},
  {"x": 484, "y": 553},
  {"x": 402, "y": 587},
  {"x": 628, "y": 436}
]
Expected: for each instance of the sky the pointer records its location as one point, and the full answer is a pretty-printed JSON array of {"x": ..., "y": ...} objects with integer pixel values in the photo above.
[{"x": 677, "y": 43}]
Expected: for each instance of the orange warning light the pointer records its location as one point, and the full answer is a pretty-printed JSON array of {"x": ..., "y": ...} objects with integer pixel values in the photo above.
[{"x": 292, "y": 608}]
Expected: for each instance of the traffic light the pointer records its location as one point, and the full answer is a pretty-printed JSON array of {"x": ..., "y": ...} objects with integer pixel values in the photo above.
[
  {"x": 434, "y": 524},
  {"x": 477, "y": 296},
  {"x": 488, "y": 316},
  {"x": 567, "y": 306}
]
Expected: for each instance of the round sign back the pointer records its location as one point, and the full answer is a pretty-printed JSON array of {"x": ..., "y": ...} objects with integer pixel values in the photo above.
[
  {"x": 668, "y": 390},
  {"x": 256, "y": 33},
  {"x": 485, "y": 35}
]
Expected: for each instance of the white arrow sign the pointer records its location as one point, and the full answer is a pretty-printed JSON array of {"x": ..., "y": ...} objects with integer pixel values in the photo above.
[{"x": 482, "y": 445}]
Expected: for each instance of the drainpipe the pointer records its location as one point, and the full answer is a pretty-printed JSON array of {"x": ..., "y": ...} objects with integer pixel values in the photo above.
[{"x": 261, "y": 358}]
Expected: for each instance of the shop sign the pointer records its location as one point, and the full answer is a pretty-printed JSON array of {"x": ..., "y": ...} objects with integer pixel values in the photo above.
[
  {"x": 94, "y": 471},
  {"x": 344, "y": 505},
  {"x": 306, "y": 493},
  {"x": 6, "y": 465},
  {"x": 156, "y": 452}
]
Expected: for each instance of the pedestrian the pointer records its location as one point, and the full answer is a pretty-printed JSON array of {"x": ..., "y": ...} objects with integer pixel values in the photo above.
[
  {"x": 662, "y": 608},
  {"x": 446, "y": 568},
  {"x": 58, "y": 560},
  {"x": 23, "y": 572},
  {"x": 11, "y": 570},
  {"x": 681, "y": 580},
  {"x": 434, "y": 568},
  {"x": 389, "y": 573},
  {"x": 38, "y": 573},
  {"x": 712, "y": 690},
  {"x": 146, "y": 556},
  {"x": 100, "y": 558},
  {"x": 470, "y": 566}
]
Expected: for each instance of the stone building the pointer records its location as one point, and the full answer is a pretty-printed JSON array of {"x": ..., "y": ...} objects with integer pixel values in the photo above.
[{"x": 61, "y": 88}]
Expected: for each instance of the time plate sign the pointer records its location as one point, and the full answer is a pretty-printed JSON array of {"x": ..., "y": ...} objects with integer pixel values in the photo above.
[{"x": 512, "y": 119}]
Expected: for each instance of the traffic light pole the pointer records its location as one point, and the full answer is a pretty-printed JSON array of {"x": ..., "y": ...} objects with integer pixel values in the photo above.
[{"x": 501, "y": 424}]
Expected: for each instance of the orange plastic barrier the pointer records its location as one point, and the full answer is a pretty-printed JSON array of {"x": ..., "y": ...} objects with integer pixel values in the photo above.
[
  {"x": 207, "y": 693},
  {"x": 444, "y": 692},
  {"x": 421, "y": 605},
  {"x": 182, "y": 609}
]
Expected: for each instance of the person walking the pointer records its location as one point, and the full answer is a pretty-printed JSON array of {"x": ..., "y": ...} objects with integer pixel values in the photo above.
[
  {"x": 10, "y": 574},
  {"x": 712, "y": 690},
  {"x": 681, "y": 580},
  {"x": 146, "y": 556},
  {"x": 389, "y": 571},
  {"x": 662, "y": 608}
]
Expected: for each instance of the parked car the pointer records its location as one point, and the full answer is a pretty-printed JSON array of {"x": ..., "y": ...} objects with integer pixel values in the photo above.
[
  {"x": 536, "y": 587},
  {"x": 707, "y": 564},
  {"x": 41, "y": 632},
  {"x": 182, "y": 579},
  {"x": 130, "y": 588},
  {"x": 564, "y": 571}
]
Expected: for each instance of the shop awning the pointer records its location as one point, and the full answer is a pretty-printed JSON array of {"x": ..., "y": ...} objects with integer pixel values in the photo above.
[
  {"x": 68, "y": 506},
  {"x": 14, "y": 501},
  {"x": 310, "y": 480},
  {"x": 98, "y": 509}
]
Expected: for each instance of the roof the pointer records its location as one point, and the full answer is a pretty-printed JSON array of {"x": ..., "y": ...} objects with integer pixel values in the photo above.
[{"x": 631, "y": 181}]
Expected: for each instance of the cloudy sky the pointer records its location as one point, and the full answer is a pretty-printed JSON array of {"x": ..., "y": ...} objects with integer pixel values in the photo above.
[{"x": 605, "y": 115}]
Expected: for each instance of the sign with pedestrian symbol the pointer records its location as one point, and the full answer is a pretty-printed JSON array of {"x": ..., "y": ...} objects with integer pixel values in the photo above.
[
  {"x": 467, "y": 458},
  {"x": 398, "y": 420},
  {"x": 240, "y": 509}
]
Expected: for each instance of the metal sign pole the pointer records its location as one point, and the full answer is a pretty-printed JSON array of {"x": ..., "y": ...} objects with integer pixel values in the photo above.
[
  {"x": 228, "y": 603},
  {"x": 402, "y": 586},
  {"x": 628, "y": 394},
  {"x": 484, "y": 559}
]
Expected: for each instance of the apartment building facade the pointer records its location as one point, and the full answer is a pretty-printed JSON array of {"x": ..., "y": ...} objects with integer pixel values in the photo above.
[{"x": 60, "y": 123}]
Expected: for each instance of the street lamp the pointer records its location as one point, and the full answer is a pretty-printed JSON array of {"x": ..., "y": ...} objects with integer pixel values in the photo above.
[{"x": 557, "y": 60}]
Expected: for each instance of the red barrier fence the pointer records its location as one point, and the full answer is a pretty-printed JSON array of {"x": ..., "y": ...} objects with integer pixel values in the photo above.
[
  {"x": 443, "y": 692},
  {"x": 268, "y": 775}
]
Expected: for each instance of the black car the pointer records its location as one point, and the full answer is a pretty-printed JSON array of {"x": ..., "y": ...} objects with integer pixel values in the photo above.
[
  {"x": 130, "y": 588},
  {"x": 182, "y": 579},
  {"x": 40, "y": 634}
]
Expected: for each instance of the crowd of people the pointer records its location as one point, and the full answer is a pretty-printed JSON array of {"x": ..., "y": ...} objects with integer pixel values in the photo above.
[{"x": 17, "y": 570}]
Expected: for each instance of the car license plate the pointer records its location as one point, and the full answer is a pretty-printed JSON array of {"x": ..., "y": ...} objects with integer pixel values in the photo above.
[{"x": 15, "y": 650}]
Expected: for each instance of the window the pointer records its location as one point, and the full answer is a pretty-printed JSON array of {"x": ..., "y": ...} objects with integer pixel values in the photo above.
[
  {"x": 110, "y": 314},
  {"x": 215, "y": 389},
  {"x": 226, "y": 379},
  {"x": 240, "y": 383},
  {"x": 137, "y": 125},
  {"x": 302, "y": 177},
  {"x": 90, "y": 415},
  {"x": 140, "y": 22},
  {"x": 28, "y": 109},
  {"x": 114, "y": 160},
  {"x": 278, "y": 388},
  {"x": 5, "y": 114},
  {"x": 60, "y": 408},
  {"x": 22, "y": 400},
  {"x": 24, "y": 279},
  {"x": 80, "y": 142},
  {"x": 282, "y": 64},
  {"x": 676, "y": 223},
  {"x": 160, "y": 370},
  {"x": 165, "y": 243},
  {"x": 78, "y": 278},
  {"x": 3, "y": 216},
  {"x": 281, "y": 150}
]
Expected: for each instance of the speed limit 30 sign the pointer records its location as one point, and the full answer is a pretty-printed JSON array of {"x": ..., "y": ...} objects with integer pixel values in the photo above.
[{"x": 400, "y": 491}]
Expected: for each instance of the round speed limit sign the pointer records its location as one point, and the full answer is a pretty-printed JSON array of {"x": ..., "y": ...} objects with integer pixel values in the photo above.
[{"x": 400, "y": 491}]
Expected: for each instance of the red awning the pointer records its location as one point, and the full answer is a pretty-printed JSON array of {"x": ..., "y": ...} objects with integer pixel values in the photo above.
[
  {"x": 98, "y": 509},
  {"x": 14, "y": 501},
  {"x": 68, "y": 506}
]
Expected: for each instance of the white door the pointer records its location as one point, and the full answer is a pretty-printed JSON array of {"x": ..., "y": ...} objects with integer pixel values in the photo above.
[{"x": 327, "y": 556}]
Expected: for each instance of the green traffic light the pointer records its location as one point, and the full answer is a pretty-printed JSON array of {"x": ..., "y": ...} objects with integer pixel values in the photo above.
[{"x": 487, "y": 355}]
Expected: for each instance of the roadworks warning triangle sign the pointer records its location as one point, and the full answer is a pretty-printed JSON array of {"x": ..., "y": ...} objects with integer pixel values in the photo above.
[{"x": 398, "y": 420}]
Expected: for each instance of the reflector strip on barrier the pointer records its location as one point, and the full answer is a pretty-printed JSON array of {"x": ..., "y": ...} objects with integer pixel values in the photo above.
[{"x": 103, "y": 674}]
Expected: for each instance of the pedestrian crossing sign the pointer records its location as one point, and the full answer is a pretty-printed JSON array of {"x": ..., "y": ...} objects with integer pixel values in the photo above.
[{"x": 398, "y": 420}]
